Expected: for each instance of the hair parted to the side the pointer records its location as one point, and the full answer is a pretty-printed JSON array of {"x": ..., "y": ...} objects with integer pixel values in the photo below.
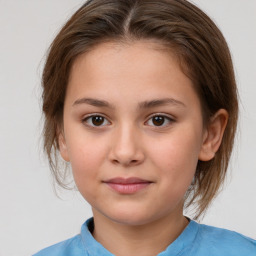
[{"x": 183, "y": 29}]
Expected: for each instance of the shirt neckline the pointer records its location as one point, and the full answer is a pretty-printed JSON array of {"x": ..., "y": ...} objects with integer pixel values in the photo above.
[{"x": 184, "y": 240}]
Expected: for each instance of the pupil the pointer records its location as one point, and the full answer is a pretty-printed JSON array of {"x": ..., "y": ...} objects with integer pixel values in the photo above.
[
  {"x": 97, "y": 120},
  {"x": 158, "y": 120}
]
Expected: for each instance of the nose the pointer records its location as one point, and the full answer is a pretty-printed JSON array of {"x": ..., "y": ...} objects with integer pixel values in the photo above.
[{"x": 126, "y": 147}]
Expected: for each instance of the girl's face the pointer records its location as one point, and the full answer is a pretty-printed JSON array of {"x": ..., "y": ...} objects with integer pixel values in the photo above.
[{"x": 133, "y": 131}]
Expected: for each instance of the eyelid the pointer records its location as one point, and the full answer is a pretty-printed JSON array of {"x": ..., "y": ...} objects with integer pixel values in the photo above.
[
  {"x": 162, "y": 114},
  {"x": 85, "y": 118},
  {"x": 170, "y": 118}
]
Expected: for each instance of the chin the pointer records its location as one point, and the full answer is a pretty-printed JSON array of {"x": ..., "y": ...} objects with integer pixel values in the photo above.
[
  {"x": 131, "y": 221},
  {"x": 132, "y": 218}
]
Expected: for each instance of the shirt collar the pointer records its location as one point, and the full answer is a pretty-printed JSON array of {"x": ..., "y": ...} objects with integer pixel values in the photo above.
[
  {"x": 93, "y": 247},
  {"x": 185, "y": 240}
]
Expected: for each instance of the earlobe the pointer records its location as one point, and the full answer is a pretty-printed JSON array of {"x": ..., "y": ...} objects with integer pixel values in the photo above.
[
  {"x": 63, "y": 147},
  {"x": 213, "y": 135}
]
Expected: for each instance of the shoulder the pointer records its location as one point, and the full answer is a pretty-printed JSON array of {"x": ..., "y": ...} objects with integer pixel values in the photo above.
[
  {"x": 70, "y": 247},
  {"x": 218, "y": 241}
]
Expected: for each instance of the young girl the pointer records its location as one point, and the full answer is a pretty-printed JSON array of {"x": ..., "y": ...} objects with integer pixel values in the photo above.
[{"x": 140, "y": 98}]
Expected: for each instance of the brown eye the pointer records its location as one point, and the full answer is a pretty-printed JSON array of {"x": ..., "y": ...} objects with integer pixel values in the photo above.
[
  {"x": 95, "y": 121},
  {"x": 158, "y": 120}
]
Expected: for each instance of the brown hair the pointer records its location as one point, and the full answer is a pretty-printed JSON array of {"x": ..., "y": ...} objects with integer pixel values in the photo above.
[{"x": 180, "y": 26}]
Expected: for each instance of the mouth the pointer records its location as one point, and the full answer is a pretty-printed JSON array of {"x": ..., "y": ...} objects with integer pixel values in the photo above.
[{"x": 127, "y": 185}]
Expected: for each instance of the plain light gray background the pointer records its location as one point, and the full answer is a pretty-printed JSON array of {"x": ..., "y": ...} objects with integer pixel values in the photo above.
[{"x": 31, "y": 216}]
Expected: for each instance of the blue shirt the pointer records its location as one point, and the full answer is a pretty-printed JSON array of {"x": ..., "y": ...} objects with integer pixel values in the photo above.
[{"x": 195, "y": 240}]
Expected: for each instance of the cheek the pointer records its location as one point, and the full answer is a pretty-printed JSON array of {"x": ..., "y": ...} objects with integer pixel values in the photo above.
[
  {"x": 86, "y": 158},
  {"x": 176, "y": 157}
]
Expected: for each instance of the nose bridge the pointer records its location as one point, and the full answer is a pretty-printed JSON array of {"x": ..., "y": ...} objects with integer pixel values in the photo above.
[{"x": 126, "y": 145}]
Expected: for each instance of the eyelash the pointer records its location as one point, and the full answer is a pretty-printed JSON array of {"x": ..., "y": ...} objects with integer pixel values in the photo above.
[
  {"x": 166, "y": 118},
  {"x": 85, "y": 120}
]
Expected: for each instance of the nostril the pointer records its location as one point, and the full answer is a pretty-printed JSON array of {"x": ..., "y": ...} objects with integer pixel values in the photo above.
[
  {"x": 126, "y": 163},
  {"x": 115, "y": 161}
]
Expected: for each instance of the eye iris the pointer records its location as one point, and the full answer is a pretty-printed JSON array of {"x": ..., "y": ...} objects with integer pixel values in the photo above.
[
  {"x": 158, "y": 120},
  {"x": 97, "y": 120}
]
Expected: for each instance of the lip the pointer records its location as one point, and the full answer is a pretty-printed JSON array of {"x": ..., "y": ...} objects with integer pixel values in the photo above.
[{"x": 127, "y": 185}]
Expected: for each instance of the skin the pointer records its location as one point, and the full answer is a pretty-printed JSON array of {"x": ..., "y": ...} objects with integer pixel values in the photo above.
[{"x": 129, "y": 143}]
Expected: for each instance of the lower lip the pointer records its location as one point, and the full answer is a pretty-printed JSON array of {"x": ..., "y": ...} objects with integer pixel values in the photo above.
[{"x": 128, "y": 188}]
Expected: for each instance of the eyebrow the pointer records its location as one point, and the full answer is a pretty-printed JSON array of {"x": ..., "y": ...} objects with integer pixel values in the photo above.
[
  {"x": 141, "y": 105},
  {"x": 93, "y": 102},
  {"x": 160, "y": 102}
]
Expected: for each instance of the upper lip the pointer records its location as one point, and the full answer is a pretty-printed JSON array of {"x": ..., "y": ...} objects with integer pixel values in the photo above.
[{"x": 131, "y": 180}]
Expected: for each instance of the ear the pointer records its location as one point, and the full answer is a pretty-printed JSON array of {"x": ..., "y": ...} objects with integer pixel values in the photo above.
[
  {"x": 63, "y": 146},
  {"x": 213, "y": 135}
]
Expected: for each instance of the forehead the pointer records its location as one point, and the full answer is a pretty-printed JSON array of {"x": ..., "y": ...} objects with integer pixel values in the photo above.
[
  {"x": 112, "y": 58},
  {"x": 141, "y": 68}
]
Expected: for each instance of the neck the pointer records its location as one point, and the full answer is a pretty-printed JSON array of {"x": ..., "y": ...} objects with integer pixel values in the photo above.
[{"x": 144, "y": 240}]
